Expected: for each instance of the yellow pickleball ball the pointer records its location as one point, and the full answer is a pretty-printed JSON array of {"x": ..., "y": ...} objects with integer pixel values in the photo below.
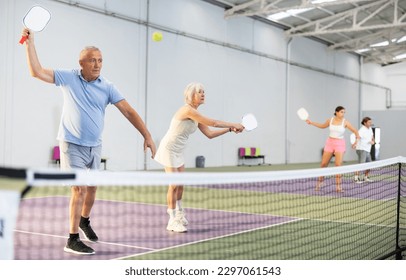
[{"x": 157, "y": 36}]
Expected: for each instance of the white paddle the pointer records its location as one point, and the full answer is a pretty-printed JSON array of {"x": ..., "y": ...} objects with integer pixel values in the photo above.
[
  {"x": 377, "y": 138},
  {"x": 303, "y": 114},
  {"x": 249, "y": 122},
  {"x": 36, "y": 19}
]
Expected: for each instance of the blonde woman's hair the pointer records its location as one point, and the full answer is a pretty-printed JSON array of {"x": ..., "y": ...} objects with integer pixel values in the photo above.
[{"x": 190, "y": 91}]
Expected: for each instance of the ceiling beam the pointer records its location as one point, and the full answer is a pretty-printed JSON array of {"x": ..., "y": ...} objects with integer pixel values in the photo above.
[
  {"x": 368, "y": 40},
  {"x": 328, "y": 25},
  {"x": 267, "y": 7},
  {"x": 364, "y": 23}
]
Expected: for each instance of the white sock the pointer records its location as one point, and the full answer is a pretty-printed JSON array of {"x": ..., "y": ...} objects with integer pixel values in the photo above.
[
  {"x": 171, "y": 213},
  {"x": 179, "y": 204}
]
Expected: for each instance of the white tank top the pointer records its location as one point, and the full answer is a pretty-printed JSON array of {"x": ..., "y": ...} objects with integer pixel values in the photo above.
[{"x": 337, "y": 131}]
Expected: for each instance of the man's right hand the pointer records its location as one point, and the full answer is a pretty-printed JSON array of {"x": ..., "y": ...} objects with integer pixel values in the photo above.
[{"x": 28, "y": 34}]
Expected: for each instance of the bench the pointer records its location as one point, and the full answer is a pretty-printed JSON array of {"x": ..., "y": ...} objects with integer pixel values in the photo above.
[{"x": 249, "y": 153}]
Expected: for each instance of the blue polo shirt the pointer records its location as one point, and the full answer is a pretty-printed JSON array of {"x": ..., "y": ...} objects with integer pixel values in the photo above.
[{"x": 84, "y": 107}]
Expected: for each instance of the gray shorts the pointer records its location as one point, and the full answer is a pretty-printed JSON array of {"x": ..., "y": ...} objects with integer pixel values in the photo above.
[
  {"x": 79, "y": 157},
  {"x": 363, "y": 156}
]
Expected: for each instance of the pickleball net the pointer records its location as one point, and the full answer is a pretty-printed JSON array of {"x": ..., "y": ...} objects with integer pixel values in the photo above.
[{"x": 245, "y": 215}]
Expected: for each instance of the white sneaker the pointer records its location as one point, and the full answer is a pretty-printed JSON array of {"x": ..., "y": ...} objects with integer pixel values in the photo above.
[
  {"x": 368, "y": 180},
  {"x": 176, "y": 226},
  {"x": 358, "y": 180},
  {"x": 181, "y": 216}
]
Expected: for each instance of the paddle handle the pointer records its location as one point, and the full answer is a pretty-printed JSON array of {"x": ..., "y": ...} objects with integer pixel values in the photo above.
[{"x": 23, "y": 38}]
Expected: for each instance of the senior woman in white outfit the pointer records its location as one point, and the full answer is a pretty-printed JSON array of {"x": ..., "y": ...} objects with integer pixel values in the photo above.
[{"x": 170, "y": 152}]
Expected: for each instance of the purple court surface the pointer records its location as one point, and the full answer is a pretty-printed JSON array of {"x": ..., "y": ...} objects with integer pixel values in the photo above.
[{"x": 124, "y": 229}]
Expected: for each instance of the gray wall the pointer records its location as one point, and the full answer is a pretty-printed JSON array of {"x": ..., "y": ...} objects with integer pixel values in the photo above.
[
  {"x": 393, "y": 135},
  {"x": 241, "y": 62}
]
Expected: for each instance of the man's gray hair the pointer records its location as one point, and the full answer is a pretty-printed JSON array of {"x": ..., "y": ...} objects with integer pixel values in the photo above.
[{"x": 86, "y": 49}]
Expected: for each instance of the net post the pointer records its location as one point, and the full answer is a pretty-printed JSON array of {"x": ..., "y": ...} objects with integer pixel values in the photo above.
[
  {"x": 398, "y": 249},
  {"x": 25, "y": 191}
]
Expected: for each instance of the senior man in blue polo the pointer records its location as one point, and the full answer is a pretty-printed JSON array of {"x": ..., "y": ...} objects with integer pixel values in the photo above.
[{"x": 86, "y": 95}]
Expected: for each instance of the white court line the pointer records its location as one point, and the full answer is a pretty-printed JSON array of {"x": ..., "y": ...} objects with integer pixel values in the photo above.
[
  {"x": 42, "y": 197},
  {"x": 101, "y": 242}
]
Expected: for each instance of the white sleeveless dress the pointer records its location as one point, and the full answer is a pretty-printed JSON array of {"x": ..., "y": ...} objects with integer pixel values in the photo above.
[{"x": 170, "y": 150}]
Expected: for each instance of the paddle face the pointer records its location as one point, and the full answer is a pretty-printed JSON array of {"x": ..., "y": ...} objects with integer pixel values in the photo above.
[
  {"x": 303, "y": 114},
  {"x": 352, "y": 138},
  {"x": 249, "y": 122},
  {"x": 377, "y": 135},
  {"x": 36, "y": 19}
]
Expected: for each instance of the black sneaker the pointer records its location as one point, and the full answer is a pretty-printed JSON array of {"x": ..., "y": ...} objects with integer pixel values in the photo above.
[
  {"x": 76, "y": 246},
  {"x": 87, "y": 230}
]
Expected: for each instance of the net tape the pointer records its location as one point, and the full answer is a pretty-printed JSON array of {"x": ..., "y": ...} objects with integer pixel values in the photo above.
[{"x": 49, "y": 177}]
